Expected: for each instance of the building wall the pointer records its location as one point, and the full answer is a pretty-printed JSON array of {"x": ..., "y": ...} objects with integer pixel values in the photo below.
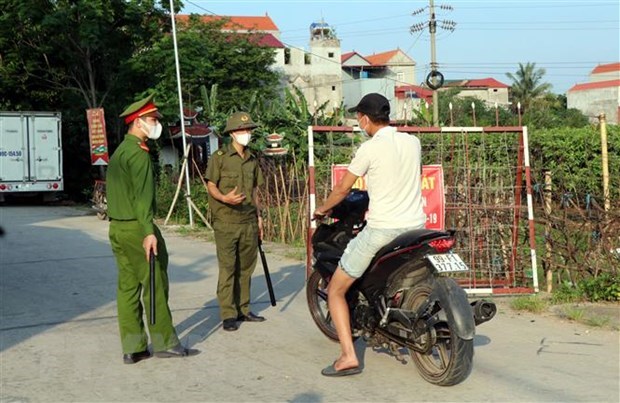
[
  {"x": 351, "y": 67},
  {"x": 595, "y": 101},
  {"x": 610, "y": 75},
  {"x": 400, "y": 63},
  {"x": 489, "y": 95},
  {"x": 317, "y": 73},
  {"x": 354, "y": 90}
]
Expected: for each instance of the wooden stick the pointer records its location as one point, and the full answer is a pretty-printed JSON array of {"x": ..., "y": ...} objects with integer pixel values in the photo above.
[
  {"x": 176, "y": 194},
  {"x": 204, "y": 220}
]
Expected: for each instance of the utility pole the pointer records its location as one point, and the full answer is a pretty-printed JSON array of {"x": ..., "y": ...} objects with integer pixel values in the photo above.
[
  {"x": 432, "y": 28},
  {"x": 434, "y": 80},
  {"x": 188, "y": 195}
]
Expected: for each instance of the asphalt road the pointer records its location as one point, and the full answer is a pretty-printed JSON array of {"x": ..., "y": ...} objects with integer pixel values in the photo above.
[{"x": 59, "y": 338}]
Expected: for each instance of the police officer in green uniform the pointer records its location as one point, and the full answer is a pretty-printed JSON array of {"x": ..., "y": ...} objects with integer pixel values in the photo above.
[
  {"x": 130, "y": 186},
  {"x": 233, "y": 176}
]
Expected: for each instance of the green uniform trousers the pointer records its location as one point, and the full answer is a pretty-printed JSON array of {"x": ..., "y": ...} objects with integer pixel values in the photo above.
[
  {"x": 237, "y": 252},
  {"x": 133, "y": 279}
]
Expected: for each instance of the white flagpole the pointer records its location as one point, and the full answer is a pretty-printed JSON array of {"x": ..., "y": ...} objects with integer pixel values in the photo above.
[{"x": 185, "y": 149}]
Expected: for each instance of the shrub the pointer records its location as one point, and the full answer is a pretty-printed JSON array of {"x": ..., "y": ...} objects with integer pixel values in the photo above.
[
  {"x": 604, "y": 287},
  {"x": 567, "y": 294}
]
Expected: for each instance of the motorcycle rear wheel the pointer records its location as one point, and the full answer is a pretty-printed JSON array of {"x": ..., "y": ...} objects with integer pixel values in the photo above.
[
  {"x": 450, "y": 359},
  {"x": 317, "y": 304}
]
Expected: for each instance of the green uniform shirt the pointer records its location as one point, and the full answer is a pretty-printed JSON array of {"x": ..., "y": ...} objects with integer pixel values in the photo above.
[
  {"x": 228, "y": 169},
  {"x": 130, "y": 184}
]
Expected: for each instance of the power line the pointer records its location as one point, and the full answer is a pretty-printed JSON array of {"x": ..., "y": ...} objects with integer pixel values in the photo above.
[{"x": 462, "y": 69}]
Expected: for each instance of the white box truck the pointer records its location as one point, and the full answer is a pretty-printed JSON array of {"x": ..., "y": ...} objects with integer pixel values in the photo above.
[{"x": 30, "y": 154}]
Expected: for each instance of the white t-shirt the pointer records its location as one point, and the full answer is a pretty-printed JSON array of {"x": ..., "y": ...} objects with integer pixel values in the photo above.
[{"x": 391, "y": 162}]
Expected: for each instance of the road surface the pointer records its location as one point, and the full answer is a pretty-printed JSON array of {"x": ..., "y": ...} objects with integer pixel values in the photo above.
[{"x": 59, "y": 337}]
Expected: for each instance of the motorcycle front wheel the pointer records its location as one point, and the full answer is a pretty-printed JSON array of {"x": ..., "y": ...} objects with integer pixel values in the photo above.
[
  {"x": 449, "y": 360},
  {"x": 316, "y": 294}
]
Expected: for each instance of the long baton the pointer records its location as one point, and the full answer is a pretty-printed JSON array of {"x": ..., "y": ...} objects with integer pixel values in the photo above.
[
  {"x": 272, "y": 297},
  {"x": 152, "y": 286}
]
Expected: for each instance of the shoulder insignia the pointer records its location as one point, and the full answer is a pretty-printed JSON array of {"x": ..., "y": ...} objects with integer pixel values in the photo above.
[{"x": 143, "y": 146}]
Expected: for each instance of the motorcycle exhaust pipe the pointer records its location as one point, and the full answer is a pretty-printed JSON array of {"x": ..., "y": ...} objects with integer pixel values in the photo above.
[{"x": 483, "y": 310}]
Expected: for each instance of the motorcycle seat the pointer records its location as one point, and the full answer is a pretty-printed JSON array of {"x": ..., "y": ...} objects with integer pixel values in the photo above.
[{"x": 409, "y": 238}]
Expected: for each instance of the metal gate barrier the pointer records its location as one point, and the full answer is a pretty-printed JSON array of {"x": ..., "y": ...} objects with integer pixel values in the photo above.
[{"x": 488, "y": 197}]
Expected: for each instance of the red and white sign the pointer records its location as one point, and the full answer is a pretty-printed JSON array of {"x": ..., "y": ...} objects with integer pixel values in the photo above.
[
  {"x": 97, "y": 137},
  {"x": 433, "y": 196},
  {"x": 432, "y": 192}
]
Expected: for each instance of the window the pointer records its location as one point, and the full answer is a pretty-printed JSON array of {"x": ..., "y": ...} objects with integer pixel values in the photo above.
[
  {"x": 333, "y": 88},
  {"x": 330, "y": 55},
  {"x": 307, "y": 58},
  {"x": 400, "y": 76},
  {"x": 287, "y": 56}
]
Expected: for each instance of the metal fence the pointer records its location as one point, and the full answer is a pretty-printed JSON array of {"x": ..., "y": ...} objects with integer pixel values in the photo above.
[{"x": 488, "y": 196}]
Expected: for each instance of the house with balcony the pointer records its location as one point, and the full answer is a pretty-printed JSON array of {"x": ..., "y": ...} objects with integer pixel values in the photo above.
[
  {"x": 600, "y": 95},
  {"x": 381, "y": 72}
]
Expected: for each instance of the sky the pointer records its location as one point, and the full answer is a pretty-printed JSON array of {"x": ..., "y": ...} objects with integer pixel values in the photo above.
[{"x": 566, "y": 38}]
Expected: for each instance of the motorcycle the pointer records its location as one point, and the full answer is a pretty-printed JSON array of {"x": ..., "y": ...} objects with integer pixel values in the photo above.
[{"x": 404, "y": 300}]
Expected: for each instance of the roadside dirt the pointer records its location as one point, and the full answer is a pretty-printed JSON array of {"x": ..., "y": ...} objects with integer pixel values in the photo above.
[{"x": 605, "y": 316}]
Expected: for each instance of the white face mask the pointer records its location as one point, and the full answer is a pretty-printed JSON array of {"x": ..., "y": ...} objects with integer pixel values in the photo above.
[
  {"x": 243, "y": 138},
  {"x": 153, "y": 132},
  {"x": 362, "y": 129}
]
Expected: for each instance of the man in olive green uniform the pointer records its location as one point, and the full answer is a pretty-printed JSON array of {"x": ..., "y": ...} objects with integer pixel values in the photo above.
[
  {"x": 133, "y": 235},
  {"x": 233, "y": 176}
]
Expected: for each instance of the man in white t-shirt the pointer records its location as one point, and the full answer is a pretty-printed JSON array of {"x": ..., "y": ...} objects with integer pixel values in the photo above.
[{"x": 391, "y": 162}]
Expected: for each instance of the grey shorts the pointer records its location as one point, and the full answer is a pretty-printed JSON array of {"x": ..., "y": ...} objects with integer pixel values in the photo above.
[{"x": 362, "y": 249}]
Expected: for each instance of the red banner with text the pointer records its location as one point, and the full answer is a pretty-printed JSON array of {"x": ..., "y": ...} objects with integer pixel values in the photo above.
[
  {"x": 432, "y": 192},
  {"x": 97, "y": 137}
]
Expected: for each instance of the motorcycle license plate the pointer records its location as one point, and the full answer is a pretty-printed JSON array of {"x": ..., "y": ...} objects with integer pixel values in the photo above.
[{"x": 447, "y": 263}]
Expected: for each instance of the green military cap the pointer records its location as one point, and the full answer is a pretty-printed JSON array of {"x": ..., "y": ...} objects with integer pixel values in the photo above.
[
  {"x": 143, "y": 107},
  {"x": 239, "y": 121}
]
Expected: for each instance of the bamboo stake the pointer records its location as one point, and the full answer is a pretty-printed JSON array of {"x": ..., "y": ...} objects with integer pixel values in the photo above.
[
  {"x": 548, "y": 271},
  {"x": 279, "y": 208},
  {"x": 204, "y": 183},
  {"x": 179, "y": 184},
  {"x": 204, "y": 220},
  {"x": 605, "y": 160},
  {"x": 287, "y": 213}
]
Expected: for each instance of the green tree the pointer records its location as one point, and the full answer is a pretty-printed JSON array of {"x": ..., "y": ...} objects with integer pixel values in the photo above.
[
  {"x": 527, "y": 85},
  {"x": 207, "y": 56},
  {"x": 70, "y": 55},
  {"x": 56, "y": 49},
  {"x": 549, "y": 111}
]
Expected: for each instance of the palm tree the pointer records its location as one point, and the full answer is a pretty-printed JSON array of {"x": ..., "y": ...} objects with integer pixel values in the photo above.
[{"x": 527, "y": 85}]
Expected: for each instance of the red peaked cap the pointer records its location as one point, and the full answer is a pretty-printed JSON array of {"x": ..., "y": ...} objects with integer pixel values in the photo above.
[{"x": 144, "y": 107}]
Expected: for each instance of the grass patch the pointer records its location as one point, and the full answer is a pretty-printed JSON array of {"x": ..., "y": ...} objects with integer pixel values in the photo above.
[
  {"x": 597, "y": 321},
  {"x": 295, "y": 253},
  {"x": 198, "y": 232},
  {"x": 530, "y": 304},
  {"x": 571, "y": 313}
]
